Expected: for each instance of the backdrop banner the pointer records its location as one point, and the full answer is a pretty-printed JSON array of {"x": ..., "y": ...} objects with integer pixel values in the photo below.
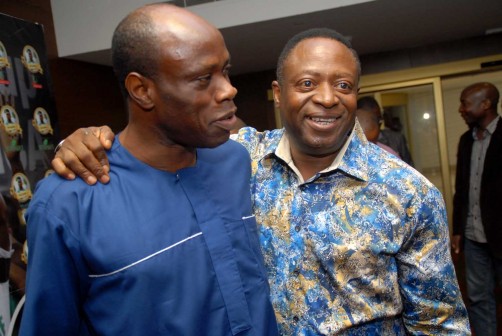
[{"x": 28, "y": 122}]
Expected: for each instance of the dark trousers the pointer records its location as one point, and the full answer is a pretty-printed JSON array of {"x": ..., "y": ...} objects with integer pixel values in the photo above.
[{"x": 482, "y": 272}]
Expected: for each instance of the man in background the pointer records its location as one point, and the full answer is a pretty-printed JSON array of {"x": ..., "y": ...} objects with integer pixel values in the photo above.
[
  {"x": 477, "y": 201},
  {"x": 393, "y": 139},
  {"x": 370, "y": 124}
]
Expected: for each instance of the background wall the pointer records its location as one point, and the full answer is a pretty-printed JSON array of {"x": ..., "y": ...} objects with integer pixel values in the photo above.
[{"x": 253, "y": 104}]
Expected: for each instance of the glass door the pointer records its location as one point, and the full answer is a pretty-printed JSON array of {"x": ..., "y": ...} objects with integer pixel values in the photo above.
[{"x": 415, "y": 109}]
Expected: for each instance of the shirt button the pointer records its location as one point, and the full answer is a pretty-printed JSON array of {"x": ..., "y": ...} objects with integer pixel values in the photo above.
[
  {"x": 296, "y": 272},
  {"x": 297, "y": 228},
  {"x": 296, "y": 319}
]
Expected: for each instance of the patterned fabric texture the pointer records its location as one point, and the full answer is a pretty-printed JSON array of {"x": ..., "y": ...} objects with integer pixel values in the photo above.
[{"x": 362, "y": 249}]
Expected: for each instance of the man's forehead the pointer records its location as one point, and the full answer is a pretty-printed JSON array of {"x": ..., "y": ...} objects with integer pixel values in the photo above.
[
  {"x": 319, "y": 42},
  {"x": 474, "y": 92},
  {"x": 319, "y": 48},
  {"x": 309, "y": 53}
]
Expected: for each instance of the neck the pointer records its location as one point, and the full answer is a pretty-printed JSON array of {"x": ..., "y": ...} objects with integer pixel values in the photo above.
[
  {"x": 148, "y": 148},
  {"x": 483, "y": 124},
  {"x": 309, "y": 165}
]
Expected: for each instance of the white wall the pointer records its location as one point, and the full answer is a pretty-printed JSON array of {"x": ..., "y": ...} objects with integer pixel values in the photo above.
[{"x": 84, "y": 26}]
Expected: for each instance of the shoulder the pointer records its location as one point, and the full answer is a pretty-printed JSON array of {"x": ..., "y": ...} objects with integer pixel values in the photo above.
[
  {"x": 227, "y": 152},
  {"x": 399, "y": 176},
  {"x": 498, "y": 129},
  {"x": 233, "y": 147},
  {"x": 466, "y": 137},
  {"x": 58, "y": 195},
  {"x": 55, "y": 201},
  {"x": 258, "y": 143},
  {"x": 388, "y": 149},
  {"x": 227, "y": 161},
  {"x": 55, "y": 187}
]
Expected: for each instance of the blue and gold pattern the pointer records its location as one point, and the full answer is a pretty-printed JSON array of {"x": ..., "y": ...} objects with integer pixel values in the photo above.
[{"x": 362, "y": 249}]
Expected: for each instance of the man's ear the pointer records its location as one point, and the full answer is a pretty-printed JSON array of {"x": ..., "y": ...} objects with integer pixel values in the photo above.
[
  {"x": 276, "y": 91},
  {"x": 139, "y": 89},
  {"x": 487, "y": 104}
]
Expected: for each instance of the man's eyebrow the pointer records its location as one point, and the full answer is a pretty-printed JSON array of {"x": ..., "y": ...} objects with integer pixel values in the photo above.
[{"x": 317, "y": 73}]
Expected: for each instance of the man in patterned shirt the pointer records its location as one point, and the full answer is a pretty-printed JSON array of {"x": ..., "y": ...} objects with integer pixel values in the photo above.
[{"x": 355, "y": 241}]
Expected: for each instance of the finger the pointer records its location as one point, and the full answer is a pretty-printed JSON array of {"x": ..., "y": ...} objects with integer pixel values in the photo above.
[
  {"x": 72, "y": 162},
  {"x": 100, "y": 166},
  {"x": 86, "y": 150},
  {"x": 61, "y": 169},
  {"x": 83, "y": 153},
  {"x": 106, "y": 136},
  {"x": 77, "y": 154},
  {"x": 93, "y": 156}
]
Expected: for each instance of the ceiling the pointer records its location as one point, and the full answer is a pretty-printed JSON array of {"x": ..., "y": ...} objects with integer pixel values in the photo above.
[{"x": 374, "y": 27}]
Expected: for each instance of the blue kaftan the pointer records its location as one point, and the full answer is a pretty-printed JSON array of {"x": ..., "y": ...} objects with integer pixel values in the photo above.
[{"x": 151, "y": 253}]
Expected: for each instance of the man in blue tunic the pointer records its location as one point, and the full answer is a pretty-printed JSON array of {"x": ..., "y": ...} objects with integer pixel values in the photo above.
[
  {"x": 170, "y": 245},
  {"x": 355, "y": 241}
]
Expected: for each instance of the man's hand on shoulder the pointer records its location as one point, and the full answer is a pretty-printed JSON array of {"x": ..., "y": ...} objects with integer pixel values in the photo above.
[{"x": 82, "y": 153}]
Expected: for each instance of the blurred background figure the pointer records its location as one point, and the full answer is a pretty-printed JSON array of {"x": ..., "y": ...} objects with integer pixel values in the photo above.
[
  {"x": 5, "y": 256},
  {"x": 478, "y": 196},
  {"x": 370, "y": 124},
  {"x": 392, "y": 138},
  {"x": 12, "y": 267}
]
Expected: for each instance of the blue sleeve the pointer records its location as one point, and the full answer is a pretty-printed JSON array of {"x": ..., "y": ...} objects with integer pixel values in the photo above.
[
  {"x": 54, "y": 293},
  {"x": 432, "y": 300}
]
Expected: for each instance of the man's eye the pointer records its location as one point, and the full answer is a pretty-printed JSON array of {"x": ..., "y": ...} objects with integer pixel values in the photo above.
[
  {"x": 204, "y": 78},
  {"x": 307, "y": 84},
  {"x": 344, "y": 86}
]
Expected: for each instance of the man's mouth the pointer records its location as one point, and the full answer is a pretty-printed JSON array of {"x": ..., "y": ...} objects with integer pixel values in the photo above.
[
  {"x": 226, "y": 123},
  {"x": 324, "y": 121}
]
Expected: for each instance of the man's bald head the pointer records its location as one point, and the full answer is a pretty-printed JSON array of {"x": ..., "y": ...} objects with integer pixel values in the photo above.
[
  {"x": 370, "y": 123},
  {"x": 487, "y": 90},
  {"x": 136, "y": 43}
]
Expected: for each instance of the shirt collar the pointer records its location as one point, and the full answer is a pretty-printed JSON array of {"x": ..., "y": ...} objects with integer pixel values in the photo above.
[
  {"x": 352, "y": 158},
  {"x": 492, "y": 126}
]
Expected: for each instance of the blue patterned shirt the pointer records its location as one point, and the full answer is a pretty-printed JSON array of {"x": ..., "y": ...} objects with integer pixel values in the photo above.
[{"x": 361, "y": 248}]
